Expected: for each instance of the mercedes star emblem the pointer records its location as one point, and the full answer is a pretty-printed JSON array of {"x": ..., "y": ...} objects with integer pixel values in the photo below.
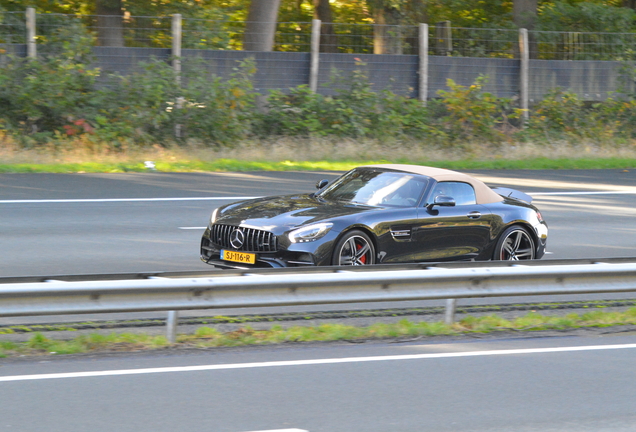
[{"x": 237, "y": 238}]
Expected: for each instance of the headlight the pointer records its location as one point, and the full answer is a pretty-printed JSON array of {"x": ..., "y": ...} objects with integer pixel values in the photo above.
[
  {"x": 309, "y": 233},
  {"x": 213, "y": 217}
]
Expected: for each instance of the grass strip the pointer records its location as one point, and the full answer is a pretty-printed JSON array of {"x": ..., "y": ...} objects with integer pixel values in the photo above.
[
  {"x": 315, "y": 315},
  {"x": 205, "y": 337},
  {"x": 234, "y": 165}
]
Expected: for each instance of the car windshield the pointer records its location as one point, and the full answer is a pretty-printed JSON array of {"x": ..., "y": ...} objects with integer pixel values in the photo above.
[{"x": 376, "y": 188}]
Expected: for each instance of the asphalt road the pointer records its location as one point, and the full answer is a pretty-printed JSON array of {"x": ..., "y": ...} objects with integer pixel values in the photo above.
[
  {"x": 106, "y": 223},
  {"x": 564, "y": 384},
  {"x": 109, "y": 223},
  {"x": 85, "y": 223}
]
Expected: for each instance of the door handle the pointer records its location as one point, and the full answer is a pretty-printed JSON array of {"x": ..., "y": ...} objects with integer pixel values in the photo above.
[{"x": 474, "y": 215}]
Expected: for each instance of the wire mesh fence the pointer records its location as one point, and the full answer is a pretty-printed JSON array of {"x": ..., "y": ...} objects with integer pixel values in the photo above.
[
  {"x": 12, "y": 28},
  {"x": 582, "y": 46},
  {"x": 120, "y": 31},
  {"x": 388, "y": 54},
  {"x": 369, "y": 39},
  {"x": 155, "y": 32},
  {"x": 473, "y": 42}
]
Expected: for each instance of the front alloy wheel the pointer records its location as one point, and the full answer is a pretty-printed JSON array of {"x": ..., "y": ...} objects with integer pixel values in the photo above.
[
  {"x": 515, "y": 244},
  {"x": 355, "y": 248}
]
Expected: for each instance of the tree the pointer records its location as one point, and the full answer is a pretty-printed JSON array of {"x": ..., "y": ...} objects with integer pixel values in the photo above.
[
  {"x": 387, "y": 35},
  {"x": 260, "y": 27},
  {"x": 328, "y": 38},
  {"x": 109, "y": 23},
  {"x": 524, "y": 13}
]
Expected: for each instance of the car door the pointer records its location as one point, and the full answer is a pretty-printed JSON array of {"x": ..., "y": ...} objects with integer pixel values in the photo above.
[{"x": 459, "y": 232}]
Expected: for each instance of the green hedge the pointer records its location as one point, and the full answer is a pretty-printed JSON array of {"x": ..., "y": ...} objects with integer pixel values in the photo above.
[{"x": 57, "y": 98}]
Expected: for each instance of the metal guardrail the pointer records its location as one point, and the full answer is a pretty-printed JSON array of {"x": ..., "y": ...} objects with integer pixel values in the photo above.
[{"x": 313, "y": 286}]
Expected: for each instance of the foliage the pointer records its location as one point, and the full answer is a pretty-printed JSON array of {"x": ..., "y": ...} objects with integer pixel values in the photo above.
[
  {"x": 60, "y": 98},
  {"x": 473, "y": 113},
  {"x": 585, "y": 17},
  {"x": 562, "y": 114},
  {"x": 215, "y": 110},
  {"x": 41, "y": 98},
  {"x": 559, "y": 111},
  {"x": 355, "y": 110},
  {"x": 149, "y": 106}
]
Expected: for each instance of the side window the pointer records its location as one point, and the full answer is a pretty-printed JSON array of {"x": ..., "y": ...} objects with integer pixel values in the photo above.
[{"x": 463, "y": 193}]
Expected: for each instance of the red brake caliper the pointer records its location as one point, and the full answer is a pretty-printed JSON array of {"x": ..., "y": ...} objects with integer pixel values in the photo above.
[{"x": 363, "y": 259}]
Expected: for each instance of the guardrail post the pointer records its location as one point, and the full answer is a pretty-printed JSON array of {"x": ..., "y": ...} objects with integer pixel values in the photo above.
[
  {"x": 315, "y": 55},
  {"x": 423, "y": 69},
  {"x": 524, "y": 53},
  {"x": 30, "y": 28},
  {"x": 171, "y": 326},
  {"x": 449, "y": 316}
]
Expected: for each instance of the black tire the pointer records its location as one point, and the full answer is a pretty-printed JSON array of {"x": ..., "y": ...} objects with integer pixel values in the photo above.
[
  {"x": 360, "y": 243},
  {"x": 515, "y": 244}
]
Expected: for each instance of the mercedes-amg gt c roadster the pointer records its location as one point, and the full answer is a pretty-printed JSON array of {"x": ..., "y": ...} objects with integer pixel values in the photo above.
[{"x": 378, "y": 214}]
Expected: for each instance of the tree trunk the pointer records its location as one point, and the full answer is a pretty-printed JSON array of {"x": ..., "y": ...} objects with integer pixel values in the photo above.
[
  {"x": 416, "y": 12},
  {"x": 328, "y": 37},
  {"x": 260, "y": 28},
  {"x": 387, "y": 34},
  {"x": 629, "y": 4},
  {"x": 109, "y": 23},
  {"x": 524, "y": 13}
]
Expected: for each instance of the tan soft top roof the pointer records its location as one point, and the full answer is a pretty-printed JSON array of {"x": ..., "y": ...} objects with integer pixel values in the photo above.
[{"x": 483, "y": 193}]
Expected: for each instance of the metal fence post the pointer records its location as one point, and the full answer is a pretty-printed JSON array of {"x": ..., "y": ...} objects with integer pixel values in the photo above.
[
  {"x": 315, "y": 55},
  {"x": 449, "y": 316},
  {"x": 423, "y": 69},
  {"x": 524, "y": 54},
  {"x": 176, "y": 63},
  {"x": 30, "y": 28},
  {"x": 171, "y": 326}
]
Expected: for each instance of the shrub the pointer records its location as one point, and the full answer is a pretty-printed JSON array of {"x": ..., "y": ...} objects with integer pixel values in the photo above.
[
  {"x": 51, "y": 96},
  {"x": 355, "y": 110},
  {"x": 472, "y": 114}
]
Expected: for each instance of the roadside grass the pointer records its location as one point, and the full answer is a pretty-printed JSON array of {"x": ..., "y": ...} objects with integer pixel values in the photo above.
[
  {"x": 311, "y": 154},
  {"x": 233, "y": 165},
  {"x": 207, "y": 337}
]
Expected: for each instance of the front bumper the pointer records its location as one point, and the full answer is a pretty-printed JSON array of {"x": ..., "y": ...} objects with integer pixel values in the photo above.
[{"x": 316, "y": 253}]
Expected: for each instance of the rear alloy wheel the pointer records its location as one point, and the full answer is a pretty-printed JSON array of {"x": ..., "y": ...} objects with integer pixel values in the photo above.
[
  {"x": 515, "y": 244},
  {"x": 355, "y": 248}
]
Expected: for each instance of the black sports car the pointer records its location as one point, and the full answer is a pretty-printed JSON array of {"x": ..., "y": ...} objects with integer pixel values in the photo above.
[{"x": 378, "y": 214}]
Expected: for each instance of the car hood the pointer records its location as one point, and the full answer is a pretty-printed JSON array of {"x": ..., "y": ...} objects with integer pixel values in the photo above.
[{"x": 282, "y": 213}]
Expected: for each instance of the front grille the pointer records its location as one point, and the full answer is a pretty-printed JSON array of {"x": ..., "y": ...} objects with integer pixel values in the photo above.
[{"x": 253, "y": 240}]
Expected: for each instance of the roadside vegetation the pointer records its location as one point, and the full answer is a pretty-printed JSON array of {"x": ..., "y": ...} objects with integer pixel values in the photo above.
[
  {"x": 207, "y": 337},
  {"x": 57, "y": 114}
]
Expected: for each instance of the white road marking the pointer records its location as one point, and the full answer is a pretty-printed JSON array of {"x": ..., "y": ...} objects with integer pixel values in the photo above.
[
  {"x": 235, "y": 198},
  {"x": 192, "y": 228},
  {"x": 313, "y": 362},
  {"x": 108, "y": 200},
  {"x": 584, "y": 193},
  {"x": 283, "y": 430}
]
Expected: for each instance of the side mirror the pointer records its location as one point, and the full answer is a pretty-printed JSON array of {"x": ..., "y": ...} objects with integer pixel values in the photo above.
[
  {"x": 442, "y": 201},
  {"x": 322, "y": 183}
]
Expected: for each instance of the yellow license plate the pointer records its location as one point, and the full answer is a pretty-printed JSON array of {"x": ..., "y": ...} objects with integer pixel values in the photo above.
[{"x": 241, "y": 257}]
